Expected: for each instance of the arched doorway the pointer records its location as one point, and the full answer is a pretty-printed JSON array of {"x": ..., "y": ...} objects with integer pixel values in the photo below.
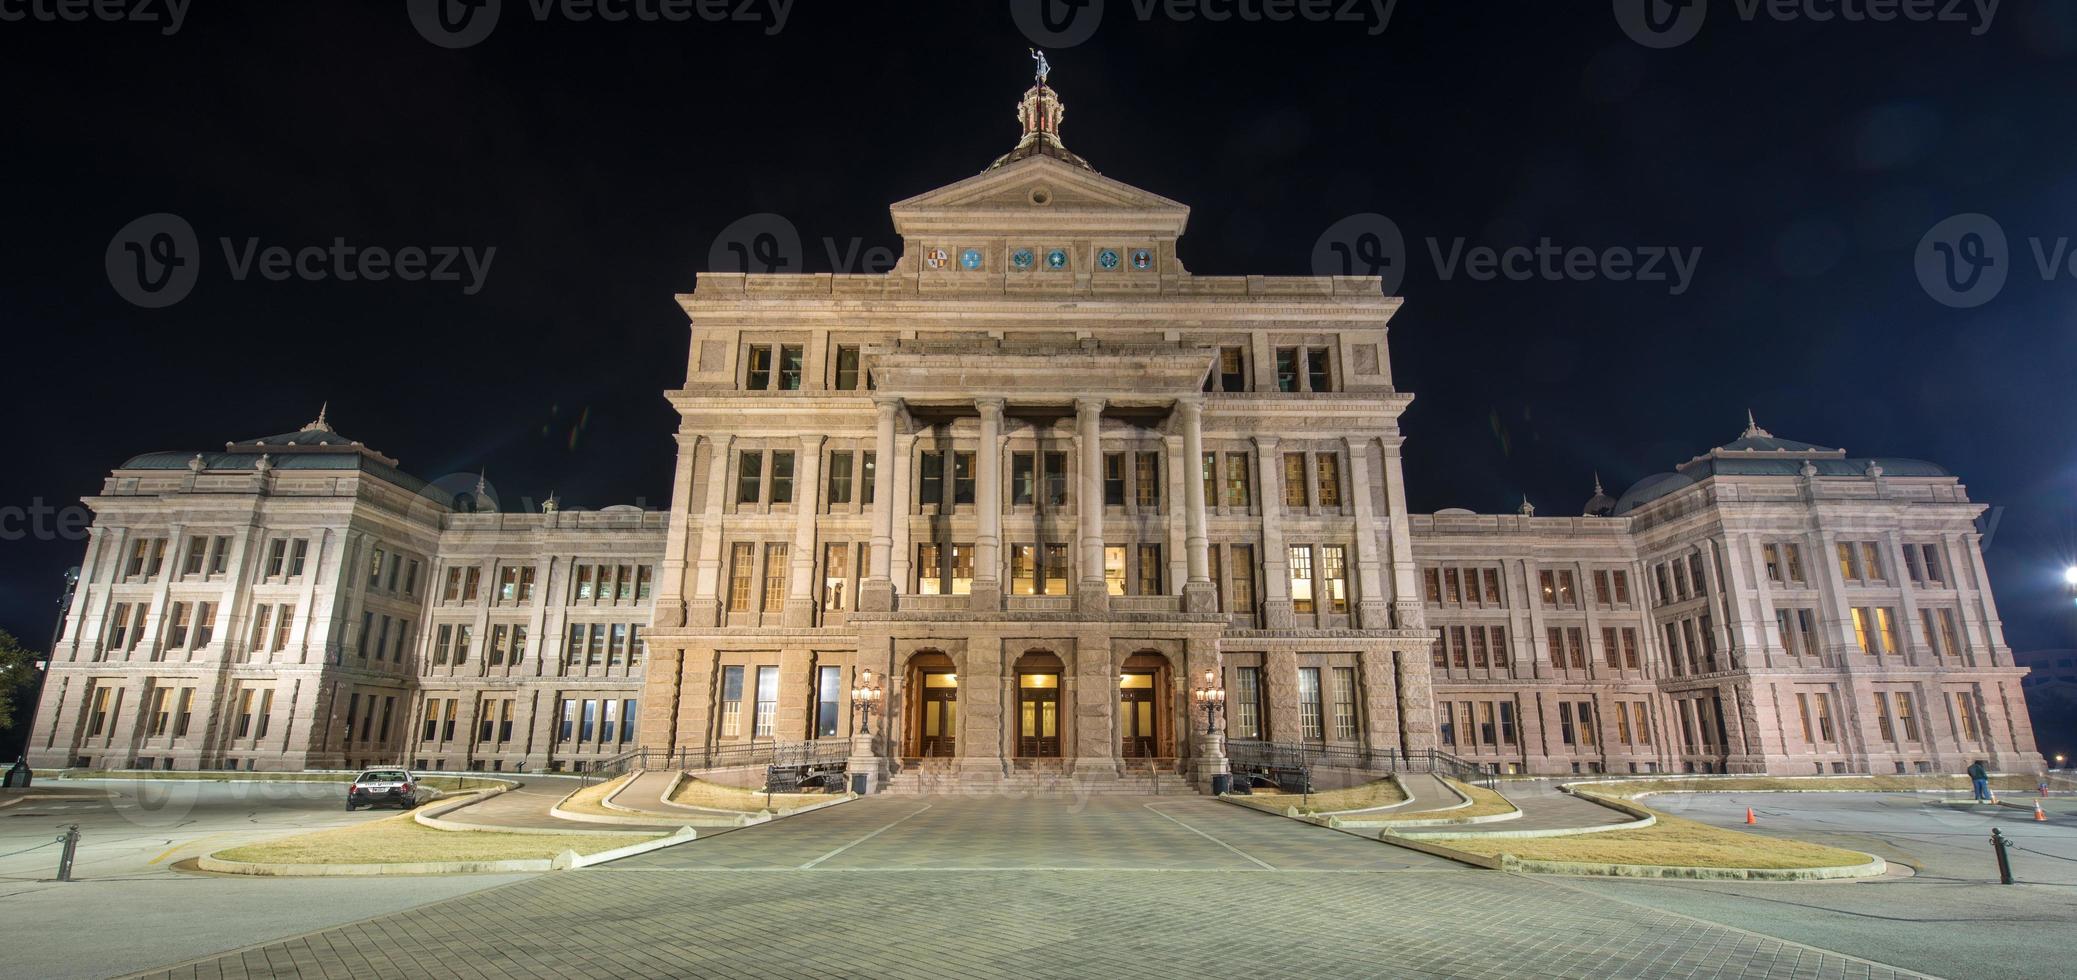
[
  {"x": 931, "y": 723},
  {"x": 1038, "y": 676},
  {"x": 1146, "y": 726}
]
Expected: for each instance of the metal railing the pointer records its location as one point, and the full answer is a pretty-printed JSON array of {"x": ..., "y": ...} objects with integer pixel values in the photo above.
[{"x": 819, "y": 752}]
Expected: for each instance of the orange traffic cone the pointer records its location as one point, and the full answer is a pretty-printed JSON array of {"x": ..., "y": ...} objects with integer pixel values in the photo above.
[
  {"x": 1749, "y": 818},
  {"x": 2038, "y": 815}
]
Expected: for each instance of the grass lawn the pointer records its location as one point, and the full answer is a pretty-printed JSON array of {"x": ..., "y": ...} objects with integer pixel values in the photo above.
[
  {"x": 399, "y": 839},
  {"x": 1672, "y": 842},
  {"x": 714, "y": 796},
  {"x": 1841, "y": 784},
  {"x": 1381, "y": 792},
  {"x": 1484, "y": 803}
]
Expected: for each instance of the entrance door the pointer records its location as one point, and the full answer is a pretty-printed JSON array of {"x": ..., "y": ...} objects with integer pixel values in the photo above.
[
  {"x": 1136, "y": 704},
  {"x": 940, "y": 723},
  {"x": 1038, "y": 716}
]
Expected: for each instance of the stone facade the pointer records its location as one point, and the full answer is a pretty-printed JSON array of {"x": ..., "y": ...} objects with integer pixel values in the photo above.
[{"x": 1034, "y": 487}]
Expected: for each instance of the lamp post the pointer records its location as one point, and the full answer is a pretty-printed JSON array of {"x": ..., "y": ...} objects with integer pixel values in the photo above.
[
  {"x": 1210, "y": 697},
  {"x": 863, "y": 698}
]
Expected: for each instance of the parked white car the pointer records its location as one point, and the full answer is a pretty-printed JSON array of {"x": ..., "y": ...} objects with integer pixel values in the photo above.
[{"x": 377, "y": 787}]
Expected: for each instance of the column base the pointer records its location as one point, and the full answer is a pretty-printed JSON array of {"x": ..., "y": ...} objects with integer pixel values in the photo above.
[
  {"x": 986, "y": 597},
  {"x": 1200, "y": 597},
  {"x": 1277, "y": 615},
  {"x": 876, "y": 595},
  {"x": 703, "y": 612},
  {"x": 799, "y": 611},
  {"x": 1092, "y": 598}
]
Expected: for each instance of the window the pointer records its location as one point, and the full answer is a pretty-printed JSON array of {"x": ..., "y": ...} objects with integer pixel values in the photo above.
[
  {"x": 1055, "y": 467},
  {"x": 1150, "y": 569},
  {"x": 1242, "y": 573},
  {"x": 775, "y": 575},
  {"x": 749, "y": 477},
  {"x": 1965, "y": 716},
  {"x": 1237, "y": 480},
  {"x": 962, "y": 478},
  {"x": 839, "y": 478},
  {"x": 197, "y": 550},
  {"x": 1334, "y": 577},
  {"x": 1146, "y": 480},
  {"x": 1294, "y": 480},
  {"x": 767, "y": 702},
  {"x": 1886, "y": 629},
  {"x": 1229, "y": 373},
  {"x": 829, "y": 704},
  {"x": 836, "y": 568},
  {"x": 1301, "y": 578},
  {"x": 742, "y": 559},
  {"x": 1114, "y": 479},
  {"x": 266, "y": 713},
  {"x": 758, "y": 374},
  {"x": 1209, "y": 468},
  {"x": 160, "y": 717},
  {"x": 930, "y": 569},
  {"x": 1940, "y": 635},
  {"x": 1328, "y": 468},
  {"x": 1247, "y": 703},
  {"x": 930, "y": 479},
  {"x": 731, "y": 701},
  {"x": 1612, "y": 587},
  {"x": 789, "y": 368},
  {"x": 1860, "y": 562},
  {"x": 1923, "y": 561},
  {"x": 1311, "y": 723},
  {"x": 962, "y": 569},
  {"x": 296, "y": 554},
  {"x": 1114, "y": 570},
  {"x": 1023, "y": 479},
  {"x": 282, "y": 616},
  {"x": 1055, "y": 569},
  {"x": 782, "y": 477},
  {"x": 1287, "y": 369},
  {"x": 1316, "y": 374},
  {"x": 177, "y": 626},
  {"x": 866, "y": 474},
  {"x": 847, "y": 369},
  {"x": 1345, "y": 704}
]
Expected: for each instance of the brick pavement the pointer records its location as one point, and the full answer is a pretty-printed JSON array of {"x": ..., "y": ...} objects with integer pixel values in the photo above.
[{"x": 1033, "y": 888}]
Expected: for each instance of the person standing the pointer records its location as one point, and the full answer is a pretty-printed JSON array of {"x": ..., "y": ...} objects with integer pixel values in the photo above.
[{"x": 1979, "y": 780}]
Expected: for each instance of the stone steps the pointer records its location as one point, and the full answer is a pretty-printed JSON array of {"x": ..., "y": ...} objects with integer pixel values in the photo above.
[{"x": 1035, "y": 784}]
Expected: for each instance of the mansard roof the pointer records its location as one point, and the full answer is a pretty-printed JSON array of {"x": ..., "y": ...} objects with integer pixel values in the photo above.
[
  {"x": 1757, "y": 452},
  {"x": 315, "y": 446}
]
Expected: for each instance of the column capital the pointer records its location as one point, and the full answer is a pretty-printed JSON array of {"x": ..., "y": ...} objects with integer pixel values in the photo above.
[
  {"x": 887, "y": 406},
  {"x": 990, "y": 406},
  {"x": 1190, "y": 404},
  {"x": 813, "y": 442},
  {"x": 1266, "y": 443},
  {"x": 1091, "y": 406}
]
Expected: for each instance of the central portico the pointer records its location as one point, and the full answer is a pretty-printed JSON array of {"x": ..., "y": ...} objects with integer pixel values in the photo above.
[{"x": 1038, "y": 482}]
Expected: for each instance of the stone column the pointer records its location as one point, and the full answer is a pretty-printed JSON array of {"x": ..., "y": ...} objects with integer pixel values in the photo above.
[
  {"x": 802, "y": 597},
  {"x": 876, "y": 594},
  {"x": 987, "y": 595},
  {"x": 1371, "y": 604},
  {"x": 1090, "y": 595},
  {"x": 705, "y": 607},
  {"x": 1198, "y": 593},
  {"x": 670, "y": 578},
  {"x": 1276, "y": 562}
]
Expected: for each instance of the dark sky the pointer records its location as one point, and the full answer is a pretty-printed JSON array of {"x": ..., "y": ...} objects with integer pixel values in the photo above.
[{"x": 602, "y": 160}]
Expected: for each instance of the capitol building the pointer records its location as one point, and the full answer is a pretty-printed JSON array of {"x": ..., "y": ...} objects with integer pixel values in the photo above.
[{"x": 1036, "y": 488}]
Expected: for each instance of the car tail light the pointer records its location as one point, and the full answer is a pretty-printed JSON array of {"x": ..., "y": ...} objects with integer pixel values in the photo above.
[
  {"x": 353, "y": 789},
  {"x": 406, "y": 787}
]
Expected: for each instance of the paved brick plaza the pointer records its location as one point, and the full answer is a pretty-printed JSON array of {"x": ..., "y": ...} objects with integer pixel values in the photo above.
[{"x": 995, "y": 887}]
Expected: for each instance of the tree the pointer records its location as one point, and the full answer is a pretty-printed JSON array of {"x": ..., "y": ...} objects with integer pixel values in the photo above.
[{"x": 17, "y": 671}]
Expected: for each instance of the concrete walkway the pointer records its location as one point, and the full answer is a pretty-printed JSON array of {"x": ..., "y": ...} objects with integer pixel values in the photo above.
[
  {"x": 526, "y": 807},
  {"x": 1427, "y": 792},
  {"x": 1544, "y": 807}
]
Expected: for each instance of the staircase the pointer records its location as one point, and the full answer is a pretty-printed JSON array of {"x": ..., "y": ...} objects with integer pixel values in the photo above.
[{"x": 941, "y": 778}]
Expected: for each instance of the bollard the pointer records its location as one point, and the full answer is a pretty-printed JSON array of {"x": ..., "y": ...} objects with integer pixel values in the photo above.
[
  {"x": 1998, "y": 842},
  {"x": 70, "y": 838}
]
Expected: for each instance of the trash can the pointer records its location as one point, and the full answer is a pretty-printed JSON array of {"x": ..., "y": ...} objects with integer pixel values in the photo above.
[
  {"x": 858, "y": 783},
  {"x": 1222, "y": 783}
]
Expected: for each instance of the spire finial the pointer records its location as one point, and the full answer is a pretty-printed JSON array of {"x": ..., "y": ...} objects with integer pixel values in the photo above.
[
  {"x": 321, "y": 425},
  {"x": 1752, "y": 427},
  {"x": 1597, "y": 483},
  {"x": 1527, "y": 509},
  {"x": 482, "y": 482}
]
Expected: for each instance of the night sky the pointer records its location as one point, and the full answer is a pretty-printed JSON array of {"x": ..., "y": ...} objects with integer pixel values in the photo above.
[{"x": 602, "y": 160}]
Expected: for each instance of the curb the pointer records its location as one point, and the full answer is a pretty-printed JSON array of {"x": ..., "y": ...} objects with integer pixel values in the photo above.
[
  {"x": 1514, "y": 814},
  {"x": 566, "y": 860},
  {"x": 1643, "y": 818},
  {"x": 768, "y": 815},
  {"x": 659, "y": 820},
  {"x": 432, "y": 817},
  {"x": 1875, "y": 866}
]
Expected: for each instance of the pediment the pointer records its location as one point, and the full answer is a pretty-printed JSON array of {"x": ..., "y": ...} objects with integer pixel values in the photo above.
[{"x": 1040, "y": 193}]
